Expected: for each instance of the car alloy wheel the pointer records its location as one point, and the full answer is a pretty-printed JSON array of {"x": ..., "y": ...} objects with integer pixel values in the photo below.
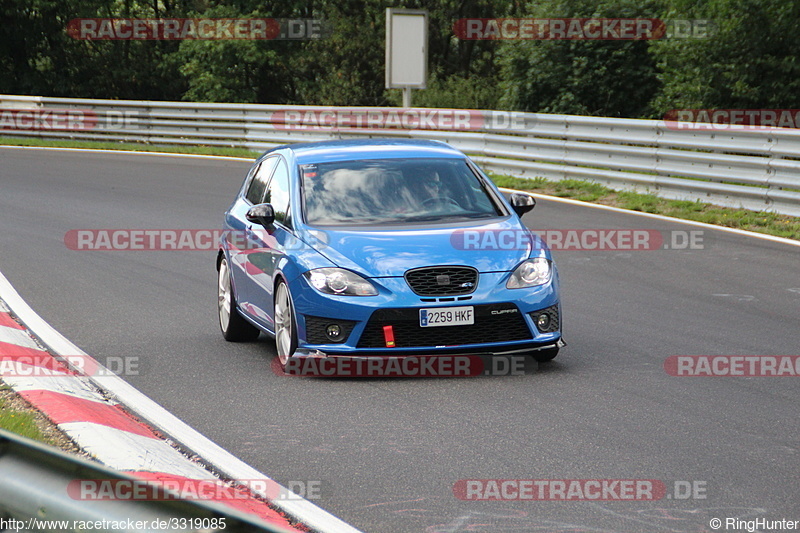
[
  {"x": 285, "y": 324},
  {"x": 234, "y": 327}
]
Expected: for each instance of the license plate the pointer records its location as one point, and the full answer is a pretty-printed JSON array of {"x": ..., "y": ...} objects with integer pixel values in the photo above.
[{"x": 446, "y": 316}]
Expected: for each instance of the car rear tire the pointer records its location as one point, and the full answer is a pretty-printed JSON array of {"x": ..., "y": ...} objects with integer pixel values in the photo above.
[
  {"x": 234, "y": 328},
  {"x": 548, "y": 354},
  {"x": 285, "y": 323}
]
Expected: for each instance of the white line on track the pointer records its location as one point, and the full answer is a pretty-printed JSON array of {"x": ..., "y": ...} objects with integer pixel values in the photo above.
[
  {"x": 654, "y": 216},
  {"x": 129, "y": 152}
]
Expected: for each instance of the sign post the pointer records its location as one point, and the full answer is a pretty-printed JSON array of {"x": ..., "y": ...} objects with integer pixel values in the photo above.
[{"x": 406, "y": 50}]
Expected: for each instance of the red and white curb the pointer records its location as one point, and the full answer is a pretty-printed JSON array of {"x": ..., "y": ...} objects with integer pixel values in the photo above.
[
  {"x": 101, "y": 413},
  {"x": 101, "y": 427}
]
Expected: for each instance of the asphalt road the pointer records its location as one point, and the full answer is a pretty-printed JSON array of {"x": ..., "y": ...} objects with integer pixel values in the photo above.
[{"x": 388, "y": 452}]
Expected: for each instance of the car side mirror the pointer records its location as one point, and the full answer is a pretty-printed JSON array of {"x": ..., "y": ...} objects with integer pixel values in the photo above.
[
  {"x": 262, "y": 214},
  {"x": 522, "y": 203}
]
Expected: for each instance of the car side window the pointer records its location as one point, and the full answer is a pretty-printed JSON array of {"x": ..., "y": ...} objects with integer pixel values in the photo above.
[
  {"x": 278, "y": 193},
  {"x": 258, "y": 185}
]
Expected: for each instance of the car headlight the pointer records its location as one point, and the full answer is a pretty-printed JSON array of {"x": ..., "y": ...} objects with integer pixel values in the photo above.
[
  {"x": 530, "y": 273},
  {"x": 339, "y": 281}
]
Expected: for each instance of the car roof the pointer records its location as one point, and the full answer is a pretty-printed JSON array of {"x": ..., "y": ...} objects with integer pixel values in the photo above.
[{"x": 355, "y": 149}]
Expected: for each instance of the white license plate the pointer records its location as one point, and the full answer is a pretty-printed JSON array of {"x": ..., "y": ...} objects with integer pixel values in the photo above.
[{"x": 446, "y": 316}]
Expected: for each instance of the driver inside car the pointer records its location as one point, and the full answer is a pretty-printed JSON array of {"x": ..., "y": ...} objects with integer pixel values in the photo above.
[{"x": 426, "y": 183}]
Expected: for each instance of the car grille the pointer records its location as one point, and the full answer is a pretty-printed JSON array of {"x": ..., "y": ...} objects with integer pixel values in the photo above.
[
  {"x": 488, "y": 328},
  {"x": 315, "y": 329},
  {"x": 442, "y": 281}
]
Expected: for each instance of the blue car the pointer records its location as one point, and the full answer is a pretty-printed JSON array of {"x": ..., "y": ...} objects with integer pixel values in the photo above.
[{"x": 383, "y": 247}]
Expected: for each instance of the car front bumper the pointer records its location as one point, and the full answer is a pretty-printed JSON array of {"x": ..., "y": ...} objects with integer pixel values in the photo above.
[{"x": 504, "y": 319}]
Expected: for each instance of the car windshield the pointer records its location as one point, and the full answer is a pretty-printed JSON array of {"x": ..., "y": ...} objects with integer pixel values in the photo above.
[{"x": 394, "y": 191}]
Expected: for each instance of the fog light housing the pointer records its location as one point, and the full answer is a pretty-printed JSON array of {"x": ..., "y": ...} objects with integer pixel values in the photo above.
[
  {"x": 543, "y": 321},
  {"x": 547, "y": 320},
  {"x": 327, "y": 330},
  {"x": 333, "y": 332}
]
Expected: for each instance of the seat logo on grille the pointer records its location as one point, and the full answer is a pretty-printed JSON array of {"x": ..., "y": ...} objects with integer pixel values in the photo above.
[{"x": 443, "y": 279}]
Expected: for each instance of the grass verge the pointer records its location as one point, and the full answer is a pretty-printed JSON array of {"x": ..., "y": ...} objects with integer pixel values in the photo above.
[
  {"x": 760, "y": 222},
  {"x": 137, "y": 147},
  {"x": 18, "y": 416},
  {"x": 21, "y": 422}
]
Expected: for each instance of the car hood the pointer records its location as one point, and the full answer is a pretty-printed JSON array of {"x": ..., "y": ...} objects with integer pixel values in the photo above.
[{"x": 391, "y": 252}]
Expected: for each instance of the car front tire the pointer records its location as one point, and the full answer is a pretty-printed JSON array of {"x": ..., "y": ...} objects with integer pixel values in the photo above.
[
  {"x": 285, "y": 323},
  {"x": 234, "y": 327}
]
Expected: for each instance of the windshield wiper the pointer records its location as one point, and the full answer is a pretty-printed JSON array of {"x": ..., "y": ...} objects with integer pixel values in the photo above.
[
  {"x": 427, "y": 218},
  {"x": 479, "y": 215}
]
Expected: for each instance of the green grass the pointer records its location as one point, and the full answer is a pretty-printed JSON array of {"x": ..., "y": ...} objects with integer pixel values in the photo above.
[
  {"x": 20, "y": 422},
  {"x": 585, "y": 191},
  {"x": 576, "y": 189},
  {"x": 511, "y": 182},
  {"x": 760, "y": 222},
  {"x": 139, "y": 147}
]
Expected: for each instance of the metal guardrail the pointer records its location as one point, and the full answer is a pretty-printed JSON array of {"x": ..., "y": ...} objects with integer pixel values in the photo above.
[
  {"x": 755, "y": 169},
  {"x": 38, "y": 493}
]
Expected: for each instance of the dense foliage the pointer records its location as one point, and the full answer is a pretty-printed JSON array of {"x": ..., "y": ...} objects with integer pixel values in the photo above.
[{"x": 749, "y": 61}]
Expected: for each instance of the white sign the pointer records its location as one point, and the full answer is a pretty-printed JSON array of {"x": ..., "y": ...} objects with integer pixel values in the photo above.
[{"x": 406, "y": 48}]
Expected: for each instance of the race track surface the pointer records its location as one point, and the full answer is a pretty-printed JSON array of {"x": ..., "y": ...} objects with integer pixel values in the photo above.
[{"x": 387, "y": 452}]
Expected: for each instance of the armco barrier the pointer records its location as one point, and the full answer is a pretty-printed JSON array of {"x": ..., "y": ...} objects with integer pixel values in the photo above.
[
  {"x": 35, "y": 495},
  {"x": 752, "y": 168}
]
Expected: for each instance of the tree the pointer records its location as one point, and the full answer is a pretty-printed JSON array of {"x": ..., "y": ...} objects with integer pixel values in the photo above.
[
  {"x": 750, "y": 61},
  {"x": 37, "y": 56},
  {"x": 582, "y": 77}
]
